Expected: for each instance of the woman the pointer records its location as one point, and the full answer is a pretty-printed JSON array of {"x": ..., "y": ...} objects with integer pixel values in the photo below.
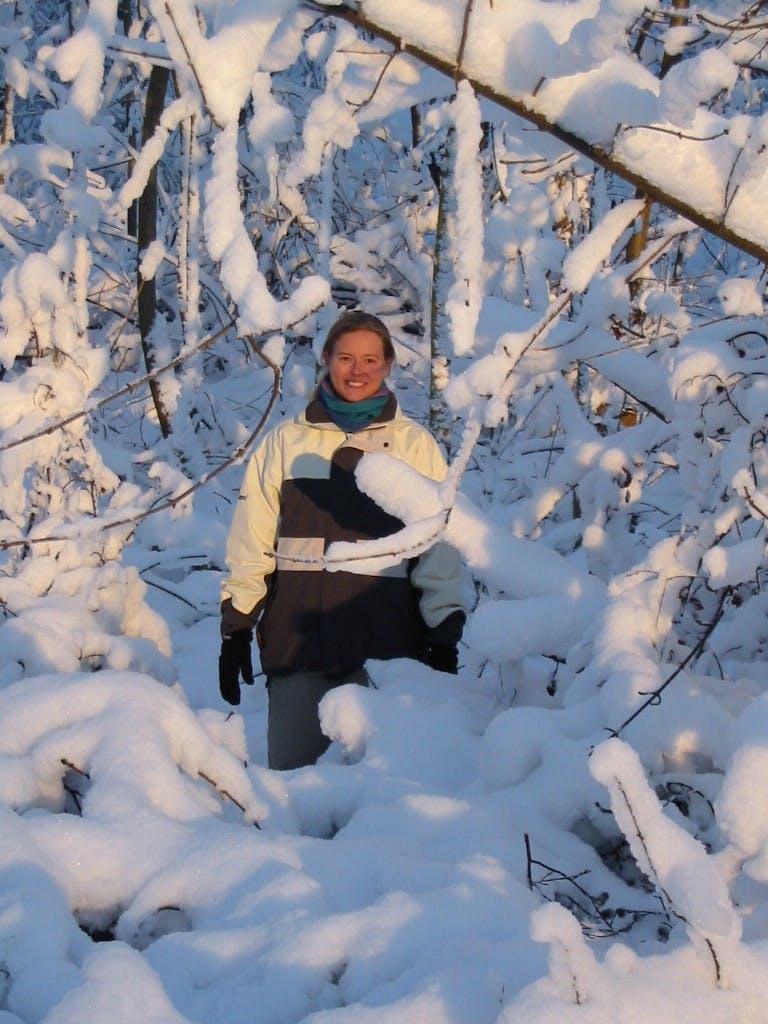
[{"x": 317, "y": 628}]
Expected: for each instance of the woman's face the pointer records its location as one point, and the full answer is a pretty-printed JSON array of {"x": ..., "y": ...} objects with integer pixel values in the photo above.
[{"x": 357, "y": 366}]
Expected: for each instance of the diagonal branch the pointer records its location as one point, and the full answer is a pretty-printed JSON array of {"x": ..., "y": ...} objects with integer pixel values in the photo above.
[
  {"x": 598, "y": 154},
  {"x": 127, "y": 390},
  {"x": 171, "y": 503},
  {"x": 695, "y": 651}
]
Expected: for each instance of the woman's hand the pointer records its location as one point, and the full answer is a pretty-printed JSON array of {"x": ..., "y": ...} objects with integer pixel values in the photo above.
[
  {"x": 234, "y": 662},
  {"x": 441, "y": 657}
]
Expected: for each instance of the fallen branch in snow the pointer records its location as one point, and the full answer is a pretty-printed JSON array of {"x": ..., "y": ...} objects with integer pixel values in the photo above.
[
  {"x": 667, "y": 900},
  {"x": 690, "y": 883}
]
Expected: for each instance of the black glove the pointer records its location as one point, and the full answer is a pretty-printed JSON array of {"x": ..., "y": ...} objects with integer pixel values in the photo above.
[
  {"x": 440, "y": 650},
  {"x": 442, "y": 657},
  {"x": 235, "y": 661}
]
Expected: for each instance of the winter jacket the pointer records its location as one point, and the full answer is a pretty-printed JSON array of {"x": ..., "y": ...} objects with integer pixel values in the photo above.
[{"x": 299, "y": 495}]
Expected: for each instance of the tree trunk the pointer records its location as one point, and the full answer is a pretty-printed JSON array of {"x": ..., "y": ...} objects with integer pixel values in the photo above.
[
  {"x": 442, "y": 278},
  {"x": 637, "y": 243},
  {"x": 676, "y": 21},
  {"x": 147, "y": 233},
  {"x": 639, "y": 239}
]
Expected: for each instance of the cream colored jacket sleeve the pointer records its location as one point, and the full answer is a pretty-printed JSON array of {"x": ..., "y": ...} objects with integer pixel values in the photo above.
[
  {"x": 253, "y": 533},
  {"x": 438, "y": 573}
]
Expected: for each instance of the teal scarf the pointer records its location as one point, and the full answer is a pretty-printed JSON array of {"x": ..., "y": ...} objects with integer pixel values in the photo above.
[{"x": 352, "y": 416}]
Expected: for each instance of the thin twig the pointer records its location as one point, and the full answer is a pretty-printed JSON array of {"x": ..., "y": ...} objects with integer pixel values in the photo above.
[
  {"x": 225, "y": 794},
  {"x": 554, "y": 875},
  {"x": 127, "y": 390},
  {"x": 528, "y": 859},
  {"x": 74, "y": 768},
  {"x": 675, "y": 132},
  {"x": 369, "y": 99},
  {"x": 178, "y": 498},
  {"x": 655, "y": 697},
  {"x": 188, "y": 54}
]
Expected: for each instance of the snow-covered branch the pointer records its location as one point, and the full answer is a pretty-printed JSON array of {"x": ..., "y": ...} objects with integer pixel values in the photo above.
[{"x": 553, "y": 87}]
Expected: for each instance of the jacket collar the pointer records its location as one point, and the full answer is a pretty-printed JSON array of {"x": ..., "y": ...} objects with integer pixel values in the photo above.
[{"x": 316, "y": 414}]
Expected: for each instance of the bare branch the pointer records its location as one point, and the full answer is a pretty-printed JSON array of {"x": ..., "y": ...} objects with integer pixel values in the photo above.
[
  {"x": 464, "y": 37},
  {"x": 225, "y": 794},
  {"x": 655, "y": 696},
  {"x": 178, "y": 498},
  {"x": 127, "y": 390}
]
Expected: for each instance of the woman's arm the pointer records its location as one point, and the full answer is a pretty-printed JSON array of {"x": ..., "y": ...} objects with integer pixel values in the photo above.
[{"x": 252, "y": 538}]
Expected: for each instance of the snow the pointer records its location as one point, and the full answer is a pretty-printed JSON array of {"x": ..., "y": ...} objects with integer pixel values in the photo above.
[
  {"x": 583, "y": 262},
  {"x": 573, "y": 828},
  {"x": 387, "y": 881},
  {"x": 464, "y": 298},
  {"x": 691, "y": 81},
  {"x": 561, "y": 63},
  {"x": 741, "y": 297}
]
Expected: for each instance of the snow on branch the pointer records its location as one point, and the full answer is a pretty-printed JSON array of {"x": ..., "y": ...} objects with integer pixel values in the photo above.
[
  {"x": 466, "y": 291},
  {"x": 84, "y": 527},
  {"x": 135, "y": 743},
  {"x": 572, "y": 965},
  {"x": 230, "y": 244},
  {"x": 153, "y": 149},
  {"x": 530, "y": 574},
  {"x": 688, "y": 880},
  {"x": 597, "y": 100}
]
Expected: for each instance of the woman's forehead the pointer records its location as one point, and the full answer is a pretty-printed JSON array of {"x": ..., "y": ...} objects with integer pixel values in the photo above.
[{"x": 359, "y": 342}]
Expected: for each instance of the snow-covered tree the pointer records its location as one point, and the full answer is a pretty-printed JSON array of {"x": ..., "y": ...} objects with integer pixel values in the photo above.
[{"x": 557, "y": 208}]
